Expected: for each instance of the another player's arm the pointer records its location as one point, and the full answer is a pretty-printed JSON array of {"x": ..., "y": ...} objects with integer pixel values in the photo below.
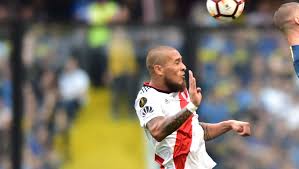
[
  {"x": 161, "y": 127},
  {"x": 212, "y": 131}
]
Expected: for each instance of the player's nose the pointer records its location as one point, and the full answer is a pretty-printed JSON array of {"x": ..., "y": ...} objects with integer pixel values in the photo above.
[{"x": 184, "y": 67}]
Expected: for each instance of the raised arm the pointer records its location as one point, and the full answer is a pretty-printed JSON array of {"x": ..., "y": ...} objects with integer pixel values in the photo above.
[
  {"x": 212, "y": 131},
  {"x": 161, "y": 127}
]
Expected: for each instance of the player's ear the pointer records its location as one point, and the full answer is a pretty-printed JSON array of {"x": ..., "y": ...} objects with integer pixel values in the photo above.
[
  {"x": 297, "y": 20},
  {"x": 158, "y": 69}
]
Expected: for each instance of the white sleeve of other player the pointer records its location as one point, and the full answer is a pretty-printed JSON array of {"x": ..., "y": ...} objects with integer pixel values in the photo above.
[{"x": 147, "y": 107}]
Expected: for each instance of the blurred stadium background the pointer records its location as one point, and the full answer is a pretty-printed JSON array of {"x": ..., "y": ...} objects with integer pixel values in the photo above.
[{"x": 84, "y": 61}]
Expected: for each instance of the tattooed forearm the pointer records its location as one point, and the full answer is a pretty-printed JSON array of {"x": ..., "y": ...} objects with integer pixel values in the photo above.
[
  {"x": 206, "y": 131},
  {"x": 161, "y": 127},
  {"x": 174, "y": 122},
  {"x": 212, "y": 131}
]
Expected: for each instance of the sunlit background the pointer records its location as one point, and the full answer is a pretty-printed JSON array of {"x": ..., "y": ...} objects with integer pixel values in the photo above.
[{"x": 84, "y": 62}]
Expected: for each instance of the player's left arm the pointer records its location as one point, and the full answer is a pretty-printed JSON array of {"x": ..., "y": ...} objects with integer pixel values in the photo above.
[{"x": 212, "y": 131}]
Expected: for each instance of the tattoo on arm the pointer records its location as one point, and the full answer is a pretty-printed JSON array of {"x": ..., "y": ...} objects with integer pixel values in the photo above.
[
  {"x": 206, "y": 131},
  {"x": 161, "y": 127},
  {"x": 176, "y": 121}
]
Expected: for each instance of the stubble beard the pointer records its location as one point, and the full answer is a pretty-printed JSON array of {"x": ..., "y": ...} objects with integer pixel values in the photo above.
[{"x": 175, "y": 87}]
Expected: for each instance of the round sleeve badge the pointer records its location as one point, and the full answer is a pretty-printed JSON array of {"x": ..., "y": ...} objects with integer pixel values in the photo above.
[{"x": 142, "y": 101}]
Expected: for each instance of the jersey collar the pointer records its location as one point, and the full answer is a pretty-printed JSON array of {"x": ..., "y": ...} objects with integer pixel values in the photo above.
[{"x": 159, "y": 90}]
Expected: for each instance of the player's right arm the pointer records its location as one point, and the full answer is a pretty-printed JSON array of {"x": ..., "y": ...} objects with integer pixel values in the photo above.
[{"x": 162, "y": 126}]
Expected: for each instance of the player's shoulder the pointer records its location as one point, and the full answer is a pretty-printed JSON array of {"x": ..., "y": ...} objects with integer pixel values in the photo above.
[
  {"x": 145, "y": 96},
  {"x": 145, "y": 90},
  {"x": 149, "y": 92}
]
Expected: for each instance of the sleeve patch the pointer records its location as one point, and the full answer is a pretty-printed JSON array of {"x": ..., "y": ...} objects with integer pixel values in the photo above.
[
  {"x": 146, "y": 110},
  {"x": 142, "y": 102}
]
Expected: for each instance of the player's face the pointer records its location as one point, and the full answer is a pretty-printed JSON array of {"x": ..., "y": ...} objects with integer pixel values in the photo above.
[{"x": 174, "y": 72}]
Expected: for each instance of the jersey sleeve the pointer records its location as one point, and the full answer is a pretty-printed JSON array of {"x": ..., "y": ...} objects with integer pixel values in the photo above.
[{"x": 147, "y": 107}]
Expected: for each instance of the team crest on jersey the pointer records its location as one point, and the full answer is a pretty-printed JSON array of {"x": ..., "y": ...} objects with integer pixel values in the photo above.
[
  {"x": 142, "y": 102},
  {"x": 146, "y": 110}
]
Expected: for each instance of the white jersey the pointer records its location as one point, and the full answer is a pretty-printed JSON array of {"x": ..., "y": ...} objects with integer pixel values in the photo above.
[{"x": 184, "y": 148}]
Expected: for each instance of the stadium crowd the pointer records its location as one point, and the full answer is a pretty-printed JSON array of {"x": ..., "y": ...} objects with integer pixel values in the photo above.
[
  {"x": 54, "y": 89},
  {"x": 250, "y": 77},
  {"x": 130, "y": 11},
  {"x": 245, "y": 75}
]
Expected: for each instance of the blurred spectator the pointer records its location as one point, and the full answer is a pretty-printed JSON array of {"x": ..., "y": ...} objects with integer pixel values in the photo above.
[
  {"x": 99, "y": 14},
  {"x": 50, "y": 96},
  {"x": 262, "y": 15},
  {"x": 27, "y": 13},
  {"x": 291, "y": 114},
  {"x": 73, "y": 86},
  {"x": 5, "y": 85},
  {"x": 5, "y": 111},
  {"x": 4, "y": 13},
  {"x": 274, "y": 99},
  {"x": 61, "y": 141},
  {"x": 175, "y": 10},
  {"x": 150, "y": 14},
  {"x": 40, "y": 144},
  {"x": 5, "y": 123},
  {"x": 133, "y": 10},
  {"x": 122, "y": 71},
  {"x": 170, "y": 10}
]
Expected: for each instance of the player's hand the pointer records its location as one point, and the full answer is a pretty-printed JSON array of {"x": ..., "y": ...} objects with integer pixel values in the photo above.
[
  {"x": 242, "y": 128},
  {"x": 194, "y": 91}
]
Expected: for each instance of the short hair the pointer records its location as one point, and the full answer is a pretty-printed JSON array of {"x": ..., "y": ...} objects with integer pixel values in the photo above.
[
  {"x": 283, "y": 17},
  {"x": 157, "y": 55}
]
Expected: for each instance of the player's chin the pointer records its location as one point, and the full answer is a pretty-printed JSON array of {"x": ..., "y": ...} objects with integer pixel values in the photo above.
[
  {"x": 181, "y": 82},
  {"x": 180, "y": 86}
]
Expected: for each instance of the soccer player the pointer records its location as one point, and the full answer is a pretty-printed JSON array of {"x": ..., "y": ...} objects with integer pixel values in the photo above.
[
  {"x": 286, "y": 18},
  {"x": 167, "y": 112}
]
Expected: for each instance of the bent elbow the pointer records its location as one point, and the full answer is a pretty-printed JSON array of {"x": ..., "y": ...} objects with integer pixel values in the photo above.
[
  {"x": 157, "y": 129},
  {"x": 158, "y": 136}
]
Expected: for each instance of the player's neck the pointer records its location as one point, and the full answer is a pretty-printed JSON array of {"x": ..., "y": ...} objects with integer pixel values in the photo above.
[
  {"x": 293, "y": 38},
  {"x": 158, "y": 84}
]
